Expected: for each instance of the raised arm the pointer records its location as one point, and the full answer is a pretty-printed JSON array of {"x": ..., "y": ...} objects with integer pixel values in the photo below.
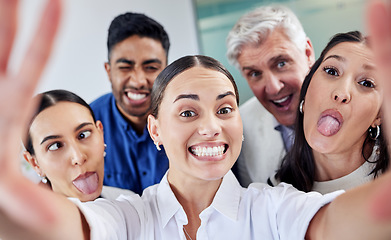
[
  {"x": 365, "y": 212},
  {"x": 27, "y": 211}
]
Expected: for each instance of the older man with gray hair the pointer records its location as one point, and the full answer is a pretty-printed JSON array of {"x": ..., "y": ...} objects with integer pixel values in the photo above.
[{"x": 270, "y": 48}]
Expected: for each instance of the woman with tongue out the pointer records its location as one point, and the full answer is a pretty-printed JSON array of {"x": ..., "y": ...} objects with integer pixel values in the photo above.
[
  {"x": 64, "y": 145},
  {"x": 339, "y": 141}
]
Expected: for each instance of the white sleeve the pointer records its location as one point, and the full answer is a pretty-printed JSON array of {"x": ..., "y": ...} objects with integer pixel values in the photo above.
[
  {"x": 117, "y": 219},
  {"x": 289, "y": 210}
]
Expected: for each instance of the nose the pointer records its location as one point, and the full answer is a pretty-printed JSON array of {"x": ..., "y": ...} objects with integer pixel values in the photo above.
[
  {"x": 210, "y": 126},
  {"x": 138, "y": 78},
  {"x": 273, "y": 84},
  {"x": 78, "y": 156},
  {"x": 342, "y": 93}
]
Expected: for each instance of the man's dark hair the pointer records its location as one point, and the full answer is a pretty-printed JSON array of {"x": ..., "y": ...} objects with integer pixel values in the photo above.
[{"x": 129, "y": 24}]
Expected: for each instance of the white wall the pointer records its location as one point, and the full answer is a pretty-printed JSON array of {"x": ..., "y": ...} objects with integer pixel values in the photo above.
[{"x": 80, "y": 51}]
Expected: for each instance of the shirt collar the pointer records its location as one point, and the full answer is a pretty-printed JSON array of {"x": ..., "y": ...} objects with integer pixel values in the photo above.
[
  {"x": 167, "y": 203},
  {"x": 226, "y": 200},
  {"x": 276, "y": 124}
]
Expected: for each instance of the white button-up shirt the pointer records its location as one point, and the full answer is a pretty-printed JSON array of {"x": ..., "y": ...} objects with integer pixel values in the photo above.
[{"x": 258, "y": 212}]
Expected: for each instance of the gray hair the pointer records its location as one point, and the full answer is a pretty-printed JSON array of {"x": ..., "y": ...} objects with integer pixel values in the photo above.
[{"x": 255, "y": 26}]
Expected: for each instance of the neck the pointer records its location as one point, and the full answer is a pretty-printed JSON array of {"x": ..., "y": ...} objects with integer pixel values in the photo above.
[
  {"x": 138, "y": 123},
  {"x": 333, "y": 166},
  {"x": 194, "y": 195}
]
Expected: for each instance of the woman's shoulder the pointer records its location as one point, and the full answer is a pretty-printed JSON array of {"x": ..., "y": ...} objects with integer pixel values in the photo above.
[{"x": 112, "y": 193}]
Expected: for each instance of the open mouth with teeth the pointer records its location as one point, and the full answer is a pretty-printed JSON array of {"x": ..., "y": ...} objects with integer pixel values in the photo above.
[
  {"x": 209, "y": 151},
  {"x": 135, "y": 96},
  {"x": 283, "y": 102}
]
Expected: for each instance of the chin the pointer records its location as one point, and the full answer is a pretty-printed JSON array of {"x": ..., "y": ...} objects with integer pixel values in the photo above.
[{"x": 215, "y": 174}]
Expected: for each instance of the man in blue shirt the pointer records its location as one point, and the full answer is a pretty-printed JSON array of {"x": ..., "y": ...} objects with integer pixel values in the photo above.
[{"x": 137, "y": 52}]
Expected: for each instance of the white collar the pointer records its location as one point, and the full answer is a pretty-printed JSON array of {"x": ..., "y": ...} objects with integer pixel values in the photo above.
[{"x": 226, "y": 201}]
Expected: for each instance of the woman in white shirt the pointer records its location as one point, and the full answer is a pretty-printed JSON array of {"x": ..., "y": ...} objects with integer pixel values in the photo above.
[{"x": 199, "y": 179}]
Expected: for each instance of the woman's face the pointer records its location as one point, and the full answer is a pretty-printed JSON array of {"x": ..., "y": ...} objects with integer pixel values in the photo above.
[
  {"x": 69, "y": 150},
  {"x": 199, "y": 125},
  {"x": 343, "y": 100}
]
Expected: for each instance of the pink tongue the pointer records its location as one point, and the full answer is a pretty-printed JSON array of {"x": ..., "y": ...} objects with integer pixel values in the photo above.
[
  {"x": 328, "y": 126},
  {"x": 87, "y": 185}
]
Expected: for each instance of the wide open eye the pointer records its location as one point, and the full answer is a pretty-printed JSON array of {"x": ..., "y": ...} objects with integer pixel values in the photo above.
[
  {"x": 54, "y": 146},
  {"x": 187, "y": 113},
  {"x": 84, "y": 134},
  {"x": 224, "y": 110},
  {"x": 331, "y": 71},
  {"x": 367, "y": 83}
]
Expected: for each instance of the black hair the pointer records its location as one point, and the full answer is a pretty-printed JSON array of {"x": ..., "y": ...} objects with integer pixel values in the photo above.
[
  {"x": 298, "y": 165},
  {"x": 179, "y": 66},
  {"x": 48, "y": 99},
  {"x": 129, "y": 24}
]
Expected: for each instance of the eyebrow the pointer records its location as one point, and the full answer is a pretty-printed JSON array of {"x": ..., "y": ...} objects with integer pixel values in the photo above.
[
  {"x": 187, "y": 96},
  {"x": 278, "y": 58},
  {"x": 340, "y": 58},
  {"x": 221, "y": 96},
  {"x": 197, "y": 98},
  {"x": 270, "y": 61},
  {"x": 131, "y": 62},
  {"x": 343, "y": 59},
  {"x": 369, "y": 67},
  {"x": 124, "y": 60},
  {"x": 50, "y": 137},
  {"x": 248, "y": 68},
  {"x": 155, "y": 60}
]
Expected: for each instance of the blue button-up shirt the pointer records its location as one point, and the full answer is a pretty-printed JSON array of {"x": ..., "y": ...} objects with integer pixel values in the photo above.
[{"x": 132, "y": 161}]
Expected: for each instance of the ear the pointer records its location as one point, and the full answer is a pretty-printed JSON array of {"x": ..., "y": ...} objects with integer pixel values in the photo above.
[
  {"x": 310, "y": 53},
  {"x": 108, "y": 70},
  {"x": 99, "y": 125},
  {"x": 33, "y": 162},
  {"x": 377, "y": 121},
  {"x": 153, "y": 128}
]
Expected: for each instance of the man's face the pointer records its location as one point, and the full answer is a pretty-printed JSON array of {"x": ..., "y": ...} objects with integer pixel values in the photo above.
[
  {"x": 275, "y": 71},
  {"x": 134, "y": 64}
]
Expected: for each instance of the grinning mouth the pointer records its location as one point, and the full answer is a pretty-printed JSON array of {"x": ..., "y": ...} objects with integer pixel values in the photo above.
[
  {"x": 208, "y": 151},
  {"x": 135, "y": 96},
  {"x": 282, "y": 101}
]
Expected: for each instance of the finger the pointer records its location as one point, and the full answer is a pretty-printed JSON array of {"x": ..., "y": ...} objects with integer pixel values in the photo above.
[
  {"x": 8, "y": 24},
  {"x": 380, "y": 207},
  {"x": 379, "y": 26},
  {"x": 39, "y": 50}
]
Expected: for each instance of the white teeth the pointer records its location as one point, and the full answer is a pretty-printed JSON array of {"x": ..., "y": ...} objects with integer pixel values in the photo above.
[
  {"x": 208, "y": 151},
  {"x": 281, "y": 100},
  {"x": 136, "y": 96}
]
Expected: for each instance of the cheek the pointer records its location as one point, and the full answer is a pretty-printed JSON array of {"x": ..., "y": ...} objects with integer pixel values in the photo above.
[
  {"x": 235, "y": 129},
  {"x": 294, "y": 79},
  {"x": 174, "y": 140},
  {"x": 258, "y": 88},
  {"x": 366, "y": 109}
]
